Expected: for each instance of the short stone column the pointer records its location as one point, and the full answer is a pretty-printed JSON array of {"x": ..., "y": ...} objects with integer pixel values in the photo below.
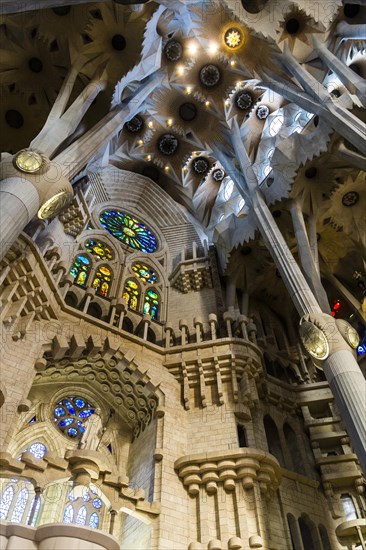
[
  {"x": 168, "y": 335},
  {"x": 252, "y": 331},
  {"x": 68, "y": 282},
  {"x": 38, "y": 490},
  {"x": 229, "y": 318},
  {"x": 212, "y": 319},
  {"x": 60, "y": 272},
  {"x": 198, "y": 324},
  {"x": 113, "y": 514},
  {"x": 121, "y": 308},
  {"x": 183, "y": 325},
  {"x": 243, "y": 322},
  {"x": 89, "y": 293},
  {"x": 112, "y": 311},
  {"x": 147, "y": 322}
]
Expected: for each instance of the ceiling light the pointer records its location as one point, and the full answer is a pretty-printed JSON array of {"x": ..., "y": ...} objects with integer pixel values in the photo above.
[
  {"x": 180, "y": 70},
  {"x": 213, "y": 48},
  {"x": 188, "y": 89},
  {"x": 148, "y": 157},
  {"x": 169, "y": 122},
  {"x": 233, "y": 38},
  {"x": 150, "y": 124},
  {"x": 207, "y": 103},
  {"x": 192, "y": 48}
]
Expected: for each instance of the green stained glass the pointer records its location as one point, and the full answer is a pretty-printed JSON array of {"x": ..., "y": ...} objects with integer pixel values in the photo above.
[
  {"x": 151, "y": 304},
  {"x": 99, "y": 249},
  {"x": 128, "y": 230},
  {"x": 80, "y": 270},
  {"x": 131, "y": 294},
  {"x": 102, "y": 280},
  {"x": 145, "y": 273}
]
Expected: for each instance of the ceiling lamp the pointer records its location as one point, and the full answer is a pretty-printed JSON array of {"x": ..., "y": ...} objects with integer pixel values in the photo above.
[
  {"x": 168, "y": 144},
  {"x": 218, "y": 174},
  {"x": 210, "y": 75},
  {"x": 28, "y": 161},
  {"x": 233, "y": 38},
  {"x": 351, "y": 198},
  {"x": 188, "y": 111},
  {"x": 173, "y": 50}
]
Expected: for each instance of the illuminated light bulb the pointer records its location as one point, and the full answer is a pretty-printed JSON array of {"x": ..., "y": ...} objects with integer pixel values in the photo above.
[
  {"x": 233, "y": 63},
  {"x": 227, "y": 102},
  {"x": 213, "y": 48},
  {"x": 166, "y": 168},
  {"x": 188, "y": 89},
  {"x": 150, "y": 124},
  {"x": 148, "y": 157},
  {"x": 192, "y": 48},
  {"x": 185, "y": 168},
  {"x": 238, "y": 84},
  {"x": 140, "y": 142},
  {"x": 207, "y": 103},
  {"x": 169, "y": 122},
  {"x": 180, "y": 70}
]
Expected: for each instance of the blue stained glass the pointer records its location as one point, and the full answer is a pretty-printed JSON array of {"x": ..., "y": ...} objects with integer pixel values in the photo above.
[
  {"x": 86, "y": 413},
  {"x": 80, "y": 270},
  {"x": 6, "y": 501},
  {"x": 79, "y": 403},
  {"x": 81, "y": 517},
  {"x": 129, "y": 231},
  {"x": 59, "y": 411},
  {"x": 97, "y": 503},
  {"x": 66, "y": 422},
  {"x": 21, "y": 503},
  {"x": 86, "y": 497},
  {"x": 72, "y": 432},
  {"x": 82, "y": 429},
  {"x": 94, "y": 521},
  {"x": 72, "y": 497},
  {"x": 68, "y": 514},
  {"x": 36, "y": 512},
  {"x": 94, "y": 491},
  {"x": 38, "y": 450}
]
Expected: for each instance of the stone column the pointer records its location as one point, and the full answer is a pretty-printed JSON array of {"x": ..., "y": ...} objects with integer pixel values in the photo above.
[
  {"x": 198, "y": 323},
  {"x": 147, "y": 321},
  {"x": 228, "y": 318},
  {"x": 168, "y": 335},
  {"x": 38, "y": 492},
  {"x": 183, "y": 325},
  {"x": 212, "y": 319}
]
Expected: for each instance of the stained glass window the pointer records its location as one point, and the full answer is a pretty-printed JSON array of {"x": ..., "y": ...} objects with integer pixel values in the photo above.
[
  {"x": 37, "y": 449},
  {"x": 131, "y": 294},
  {"x": 97, "y": 503},
  {"x": 102, "y": 280},
  {"x": 81, "y": 517},
  {"x": 68, "y": 514},
  {"x": 146, "y": 273},
  {"x": 128, "y": 230},
  {"x": 69, "y": 414},
  {"x": 36, "y": 512},
  {"x": 151, "y": 304},
  {"x": 80, "y": 270},
  {"x": 6, "y": 501},
  {"x": 94, "y": 521},
  {"x": 99, "y": 249},
  {"x": 20, "y": 505}
]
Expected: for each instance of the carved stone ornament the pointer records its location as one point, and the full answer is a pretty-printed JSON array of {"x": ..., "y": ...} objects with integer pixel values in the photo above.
[
  {"x": 54, "y": 205},
  {"x": 29, "y": 161},
  {"x": 314, "y": 340}
]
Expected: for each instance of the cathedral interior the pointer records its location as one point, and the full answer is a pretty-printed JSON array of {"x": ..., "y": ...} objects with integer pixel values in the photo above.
[{"x": 183, "y": 275}]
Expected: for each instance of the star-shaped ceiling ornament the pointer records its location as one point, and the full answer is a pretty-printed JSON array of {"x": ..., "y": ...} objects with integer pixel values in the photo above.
[{"x": 297, "y": 26}]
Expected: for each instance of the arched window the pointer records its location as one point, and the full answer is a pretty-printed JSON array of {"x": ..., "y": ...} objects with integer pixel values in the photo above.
[
  {"x": 348, "y": 507},
  {"x": 80, "y": 270},
  {"x": 273, "y": 439},
  {"x": 293, "y": 449},
  {"x": 131, "y": 294},
  {"x": 151, "y": 303},
  {"x": 68, "y": 514},
  {"x": 145, "y": 272},
  {"x": 94, "y": 521},
  {"x": 308, "y": 535},
  {"x": 36, "y": 511},
  {"x": 324, "y": 538},
  {"x": 242, "y": 438},
  {"x": 294, "y": 532},
  {"x": 81, "y": 517},
  {"x": 102, "y": 281},
  {"x": 20, "y": 505},
  {"x": 6, "y": 501},
  {"x": 99, "y": 249}
]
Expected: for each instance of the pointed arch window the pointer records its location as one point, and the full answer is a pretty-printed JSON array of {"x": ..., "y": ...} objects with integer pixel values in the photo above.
[
  {"x": 94, "y": 521},
  {"x": 151, "y": 304},
  {"x": 131, "y": 294},
  {"x": 6, "y": 501},
  {"x": 20, "y": 506},
  {"x": 68, "y": 514},
  {"x": 145, "y": 272},
  {"x": 102, "y": 281},
  {"x": 99, "y": 249},
  {"x": 81, "y": 517},
  {"x": 80, "y": 270}
]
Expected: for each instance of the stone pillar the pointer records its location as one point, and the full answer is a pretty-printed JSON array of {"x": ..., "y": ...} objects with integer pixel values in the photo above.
[
  {"x": 113, "y": 514},
  {"x": 121, "y": 308},
  {"x": 112, "y": 311},
  {"x": 147, "y": 321},
  {"x": 68, "y": 282},
  {"x": 183, "y": 325},
  {"x": 228, "y": 318},
  {"x": 243, "y": 321},
  {"x": 89, "y": 293},
  {"x": 198, "y": 323},
  {"x": 38, "y": 492},
  {"x": 168, "y": 335},
  {"x": 252, "y": 331},
  {"x": 212, "y": 319}
]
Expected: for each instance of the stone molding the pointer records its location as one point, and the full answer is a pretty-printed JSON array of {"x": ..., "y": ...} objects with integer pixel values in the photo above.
[{"x": 248, "y": 466}]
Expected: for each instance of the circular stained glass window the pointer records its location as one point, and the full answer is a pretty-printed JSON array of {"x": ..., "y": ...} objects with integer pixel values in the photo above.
[
  {"x": 97, "y": 503},
  {"x": 168, "y": 144},
  {"x": 135, "y": 124},
  {"x": 200, "y": 165},
  {"x": 218, "y": 174},
  {"x": 145, "y": 273},
  {"x": 262, "y": 112},
  {"x": 128, "y": 230},
  {"x": 69, "y": 415},
  {"x": 233, "y": 38},
  {"x": 351, "y": 198},
  {"x": 243, "y": 100}
]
